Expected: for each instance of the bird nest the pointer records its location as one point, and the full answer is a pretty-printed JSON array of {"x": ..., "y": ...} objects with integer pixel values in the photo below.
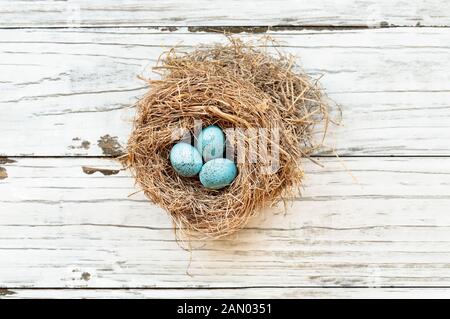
[{"x": 253, "y": 95}]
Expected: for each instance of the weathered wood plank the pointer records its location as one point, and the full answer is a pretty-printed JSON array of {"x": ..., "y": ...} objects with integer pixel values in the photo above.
[
  {"x": 77, "y": 13},
  {"x": 62, "y": 227},
  {"x": 244, "y": 293},
  {"x": 65, "y": 90}
]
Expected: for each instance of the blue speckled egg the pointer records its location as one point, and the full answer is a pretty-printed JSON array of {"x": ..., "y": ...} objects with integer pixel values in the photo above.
[
  {"x": 218, "y": 173},
  {"x": 211, "y": 142},
  {"x": 185, "y": 159}
]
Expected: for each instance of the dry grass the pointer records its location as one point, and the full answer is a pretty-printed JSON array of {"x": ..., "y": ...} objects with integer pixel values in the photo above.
[{"x": 233, "y": 85}]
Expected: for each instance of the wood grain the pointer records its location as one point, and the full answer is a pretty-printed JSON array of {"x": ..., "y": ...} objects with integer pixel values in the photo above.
[
  {"x": 61, "y": 227},
  {"x": 77, "y": 13},
  {"x": 241, "y": 293},
  {"x": 65, "y": 91},
  {"x": 367, "y": 226}
]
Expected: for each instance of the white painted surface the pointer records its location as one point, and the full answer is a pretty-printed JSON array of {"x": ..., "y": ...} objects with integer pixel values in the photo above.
[
  {"x": 75, "y": 13},
  {"x": 61, "y": 85},
  {"x": 59, "y": 224},
  {"x": 251, "y": 293},
  {"x": 62, "y": 230}
]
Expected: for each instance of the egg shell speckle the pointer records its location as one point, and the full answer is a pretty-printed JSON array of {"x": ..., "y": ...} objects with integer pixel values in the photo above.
[
  {"x": 218, "y": 173},
  {"x": 185, "y": 159},
  {"x": 211, "y": 142}
]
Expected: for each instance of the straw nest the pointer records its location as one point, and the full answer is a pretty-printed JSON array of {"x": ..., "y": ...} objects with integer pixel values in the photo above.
[{"x": 233, "y": 85}]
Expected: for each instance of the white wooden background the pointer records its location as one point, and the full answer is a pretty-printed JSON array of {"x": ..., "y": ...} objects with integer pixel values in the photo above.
[{"x": 69, "y": 229}]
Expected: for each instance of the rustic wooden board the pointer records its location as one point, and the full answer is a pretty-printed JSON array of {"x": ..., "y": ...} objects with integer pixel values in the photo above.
[
  {"x": 68, "y": 92},
  {"x": 62, "y": 227},
  {"x": 254, "y": 293},
  {"x": 76, "y": 13},
  {"x": 367, "y": 226}
]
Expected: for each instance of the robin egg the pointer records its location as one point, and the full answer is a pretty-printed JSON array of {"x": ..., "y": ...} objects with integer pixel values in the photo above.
[
  {"x": 218, "y": 173},
  {"x": 185, "y": 159},
  {"x": 211, "y": 143}
]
